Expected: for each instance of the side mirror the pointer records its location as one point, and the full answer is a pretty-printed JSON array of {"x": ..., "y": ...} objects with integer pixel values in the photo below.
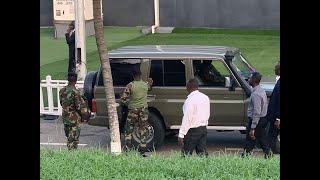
[
  {"x": 231, "y": 84},
  {"x": 227, "y": 82}
]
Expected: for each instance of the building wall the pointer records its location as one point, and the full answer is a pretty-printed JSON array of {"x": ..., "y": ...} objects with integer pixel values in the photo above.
[
  {"x": 46, "y": 13},
  {"x": 258, "y": 14}
]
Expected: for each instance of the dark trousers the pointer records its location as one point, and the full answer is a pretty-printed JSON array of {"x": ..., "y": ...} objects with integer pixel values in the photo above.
[
  {"x": 272, "y": 136},
  {"x": 195, "y": 139},
  {"x": 260, "y": 136},
  {"x": 72, "y": 59},
  {"x": 72, "y": 65}
]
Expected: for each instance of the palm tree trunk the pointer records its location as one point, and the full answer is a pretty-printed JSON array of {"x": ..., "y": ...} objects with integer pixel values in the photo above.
[{"x": 107, "y": 78}]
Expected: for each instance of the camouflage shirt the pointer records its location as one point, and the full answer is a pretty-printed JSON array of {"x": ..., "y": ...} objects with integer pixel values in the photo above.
[{"x": 73, "y": 105}]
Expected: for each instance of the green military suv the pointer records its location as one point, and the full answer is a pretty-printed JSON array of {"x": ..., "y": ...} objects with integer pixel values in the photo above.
[{"x": 222, "y": 73}]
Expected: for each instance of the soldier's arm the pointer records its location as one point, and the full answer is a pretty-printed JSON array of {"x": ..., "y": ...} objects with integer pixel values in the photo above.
[
  {"x": 80, "y": 103},
  {"x": 70, "y": 39},
  {"x": 149, "y": 83},
  {"x": 61, "y": 97},
  {"x": 126, "y": 94}
]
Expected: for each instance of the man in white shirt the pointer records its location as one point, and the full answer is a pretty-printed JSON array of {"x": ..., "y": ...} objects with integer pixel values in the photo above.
[{"x": 196, "y": 113}]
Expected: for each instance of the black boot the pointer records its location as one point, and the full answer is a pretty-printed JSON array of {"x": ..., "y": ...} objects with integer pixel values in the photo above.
[
  {"x": 268, "y": 155},
  {"x": 143, "y": 152},
  {"x": 245, "y": 154}
]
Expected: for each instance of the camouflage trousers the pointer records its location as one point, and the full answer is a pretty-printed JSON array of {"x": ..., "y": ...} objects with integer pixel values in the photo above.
[
  {"x": 72, "y": 133},
  {"x": 137, "y": 118}
]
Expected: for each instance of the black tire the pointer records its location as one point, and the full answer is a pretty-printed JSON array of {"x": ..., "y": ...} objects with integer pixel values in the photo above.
[
  {"x": 156, "y": 133},
  {"x": 88, "y": 86}
]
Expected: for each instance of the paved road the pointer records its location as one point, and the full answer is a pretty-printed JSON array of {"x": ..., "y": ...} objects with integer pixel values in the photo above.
[{"x": 51, "y": 131}]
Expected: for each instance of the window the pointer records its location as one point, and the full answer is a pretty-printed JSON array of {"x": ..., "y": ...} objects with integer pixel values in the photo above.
[
  {"x": 168, "y": 73},
  {"x": 210, "y": 72},
  {"x": 242, "y": 66},
  {"x": 121, "y": 70}
]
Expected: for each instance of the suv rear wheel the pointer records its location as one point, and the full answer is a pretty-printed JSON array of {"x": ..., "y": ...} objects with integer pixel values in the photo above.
[
  {"x": 88, "y": 86},
  {"x": 155, "y": 132}
]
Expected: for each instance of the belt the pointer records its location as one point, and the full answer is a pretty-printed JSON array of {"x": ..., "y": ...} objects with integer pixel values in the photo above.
[
  {"x": 259, "y": 117},
  {"x": 199, "y": 127},
  {"x": 138, "y": 108}
]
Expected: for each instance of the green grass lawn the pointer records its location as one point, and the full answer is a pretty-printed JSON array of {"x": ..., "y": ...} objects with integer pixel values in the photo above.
[
  {"x": 99, "y": 164},
  {"x": 260, "y": 47}
]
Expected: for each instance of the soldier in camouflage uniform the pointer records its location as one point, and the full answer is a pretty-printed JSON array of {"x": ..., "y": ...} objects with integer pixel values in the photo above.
[
  {"x": 74, "y": 110},
  {"x": 135, "y": 98}
]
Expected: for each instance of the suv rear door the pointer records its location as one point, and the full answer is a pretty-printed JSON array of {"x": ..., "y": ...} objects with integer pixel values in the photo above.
[
  {"x": 169, "y": 88},
  {"x": 121, "y": 74}
]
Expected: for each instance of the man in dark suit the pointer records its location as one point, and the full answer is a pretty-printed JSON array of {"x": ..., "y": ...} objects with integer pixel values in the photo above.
[
  {"x": 70, "y": 38},
  {"x": 273, "y": 114}
]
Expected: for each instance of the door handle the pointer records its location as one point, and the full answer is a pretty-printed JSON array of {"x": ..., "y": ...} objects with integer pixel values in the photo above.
[
  {"x": 225, "y": 97},
  {"x": 151, "y": 95}
]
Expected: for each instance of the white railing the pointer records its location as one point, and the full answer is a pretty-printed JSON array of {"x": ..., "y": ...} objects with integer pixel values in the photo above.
[{"x": 52, "y": 86}]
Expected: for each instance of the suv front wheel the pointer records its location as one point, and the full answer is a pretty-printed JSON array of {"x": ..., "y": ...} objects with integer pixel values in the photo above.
[{"x": 155, "y": 133}]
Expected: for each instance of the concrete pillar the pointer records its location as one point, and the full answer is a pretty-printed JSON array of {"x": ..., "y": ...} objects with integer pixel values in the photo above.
[{"x": 80, "y": 39}]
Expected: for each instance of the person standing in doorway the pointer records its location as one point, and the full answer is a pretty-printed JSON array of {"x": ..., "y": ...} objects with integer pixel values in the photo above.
[
  {"x": 70, "y": 38},
  {"x": 257, "y": 122},
  {"x": 196, "y": 112}
]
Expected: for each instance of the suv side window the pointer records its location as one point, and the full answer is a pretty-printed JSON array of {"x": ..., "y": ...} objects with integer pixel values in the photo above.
[
  {"x": 168, "y": 73},
  {"x": 210, "y": 72},
  {"x": 121, "y": 72}
]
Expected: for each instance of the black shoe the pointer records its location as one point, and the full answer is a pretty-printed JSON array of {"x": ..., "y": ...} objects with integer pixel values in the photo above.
[
  {"x": 245, "y": 154},
  {"x": 143, "y": 154},
  {"x": 268, "y": 155}
]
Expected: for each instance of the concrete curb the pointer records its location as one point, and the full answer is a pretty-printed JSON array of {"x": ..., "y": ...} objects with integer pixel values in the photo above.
[{"x": 147, "y": 30}]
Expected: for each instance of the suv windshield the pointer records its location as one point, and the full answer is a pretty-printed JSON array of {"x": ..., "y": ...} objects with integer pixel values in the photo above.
[{"x": 242, "y": 66}]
